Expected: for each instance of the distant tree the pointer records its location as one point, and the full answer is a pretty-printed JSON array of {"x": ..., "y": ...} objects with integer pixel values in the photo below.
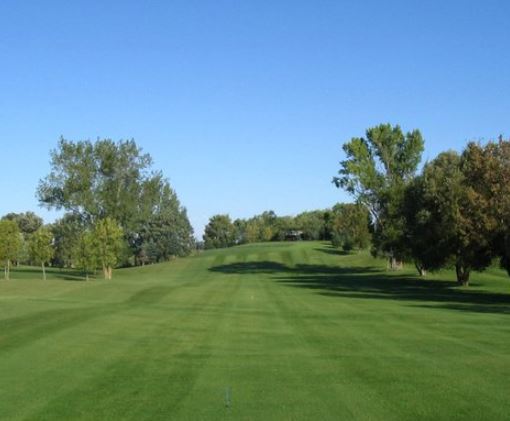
[
  {"x": 219, "y": 232},
  {"x": 28, "y": 222},
  {"x": 253, "y": 230},
  {"x": 312, "y": 224},
  {"x": 10, "y": 244},
  {"x": 240, "y": 231},
  {"x": 109, "y": 239},
  {"x": 85, "y": 252},
  {"x": 376, "y": 172},
  {"x": 349, "y": 224},
  {"x": 41, "y": 248}
]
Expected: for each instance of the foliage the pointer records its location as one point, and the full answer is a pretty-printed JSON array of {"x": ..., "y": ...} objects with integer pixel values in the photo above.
[
  {"x": 109, "y": 179},
  {"x": 348, "y": 226},
  {"x": 376, "y": 171},
  {"x": 41, "y": 247},
  {"x": 28, "y": 223},
  {"x": 109, "y": 239},
  {"x": 445, "y": 224},
  {"x": 487, "y": 173},
  {"x": 165, "y": 233},
  {"x": 66, "y": 234},
  {"x": 85, "y": 252},
  {"x": 312, "y": 224},
  {"x": 10, "y": 244},
  {"x": 220, "y": 232}
]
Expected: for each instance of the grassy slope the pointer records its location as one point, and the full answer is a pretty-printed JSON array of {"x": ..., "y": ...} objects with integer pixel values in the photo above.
[{"x": 278, "y": 331}]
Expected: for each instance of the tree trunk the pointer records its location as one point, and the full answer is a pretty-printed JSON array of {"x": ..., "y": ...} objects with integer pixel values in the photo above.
[
  {"x": 420, "y": 268},
  {"x": 8, "y": 270},
  {"x": 462, "y": 275},
  {"x": 110, "y": 272},
  {"x": 105, "y": 272},
  {"x": 43, "y": 271},
  {"x": 396, "y": 264}
]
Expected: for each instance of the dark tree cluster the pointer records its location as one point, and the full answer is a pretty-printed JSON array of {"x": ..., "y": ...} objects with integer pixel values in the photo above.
[{"x": 455, "y": 213}]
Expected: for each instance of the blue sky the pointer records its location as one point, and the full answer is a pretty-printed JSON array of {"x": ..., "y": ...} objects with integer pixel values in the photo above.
[{"x": 244, "y": 105}]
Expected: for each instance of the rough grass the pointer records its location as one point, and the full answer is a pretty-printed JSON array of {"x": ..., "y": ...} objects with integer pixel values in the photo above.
[{"x": 277, "y": 331}]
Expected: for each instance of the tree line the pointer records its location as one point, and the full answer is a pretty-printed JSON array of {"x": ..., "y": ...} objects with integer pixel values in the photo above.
[
  {"x": 346, "y": 225},
  {"x": 118, "y": 211},
  {"x": 455, "y": 212}
]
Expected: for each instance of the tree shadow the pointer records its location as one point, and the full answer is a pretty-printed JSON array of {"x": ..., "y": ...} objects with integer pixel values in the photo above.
[
  {"x": 52, "y": 272},
  {"x": 332, "y": 251},
  {"x": 374, "y": 283}
]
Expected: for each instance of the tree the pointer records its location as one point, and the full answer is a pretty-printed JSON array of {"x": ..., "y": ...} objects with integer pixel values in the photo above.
[
  {"x": 219, "y": 232},
  {"x": 85, "y": 252},
  {"x": 10, "y": 244},
  {"x": 487, "y": 173},
  {"x": 66, "y": 234},
  {"x": 94, "y": 181},
  {"x": 446, "y": 224},
  {"x": 28, "y": 223},
  {"x": 313, "y": 224},
  {"x": 348, "y": 226},
  {"x": 108, "y": 235},
  {"x": 376, "y": 171},
  {"x": 41, "y": 247},
  {"x": 165, "y": 233}
]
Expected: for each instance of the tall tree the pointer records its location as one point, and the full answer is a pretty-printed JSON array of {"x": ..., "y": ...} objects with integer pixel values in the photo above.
[
  {"x": 109, "y": 237},
  {"x": 28, "y": 222},
  {"x": 219, "y": 232},
  {"x": 41, "y": 247},
  {"x": 96, "y": 180},
  {"x": 10, "y": 244},
  {"x": 376, "y": 171}
]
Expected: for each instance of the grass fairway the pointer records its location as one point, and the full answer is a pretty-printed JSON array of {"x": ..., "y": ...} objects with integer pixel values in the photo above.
[{"x": 275, "y": 331}]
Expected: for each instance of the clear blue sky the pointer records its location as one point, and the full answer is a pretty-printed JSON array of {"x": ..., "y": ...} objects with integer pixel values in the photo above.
[{"x": 244, "y": 105}]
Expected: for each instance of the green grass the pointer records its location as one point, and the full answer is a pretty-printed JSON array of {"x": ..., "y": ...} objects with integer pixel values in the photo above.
[{"x": 280, "y": 331}]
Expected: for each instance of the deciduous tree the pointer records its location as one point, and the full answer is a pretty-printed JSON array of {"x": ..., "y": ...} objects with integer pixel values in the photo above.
[
  {"x": 41, "y": 248},
  {"x": 10, "y": 244},
  {"x": 109, "y": 238},
  {"x": 376, "y": 171},
  {"x": 219, "y": 232}
]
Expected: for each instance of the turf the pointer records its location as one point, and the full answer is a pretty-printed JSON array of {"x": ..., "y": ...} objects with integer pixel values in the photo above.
[{"x": 283, "y": 331}]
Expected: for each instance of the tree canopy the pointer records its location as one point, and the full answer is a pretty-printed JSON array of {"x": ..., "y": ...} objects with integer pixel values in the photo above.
[{"x": 376, "y": 170}]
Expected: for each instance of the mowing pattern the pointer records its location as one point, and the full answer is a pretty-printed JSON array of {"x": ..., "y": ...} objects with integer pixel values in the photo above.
[{"x": 275, "y": 331}]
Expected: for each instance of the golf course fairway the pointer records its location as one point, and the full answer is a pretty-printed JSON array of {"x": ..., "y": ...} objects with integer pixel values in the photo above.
[{"x": 276, "y": 331}]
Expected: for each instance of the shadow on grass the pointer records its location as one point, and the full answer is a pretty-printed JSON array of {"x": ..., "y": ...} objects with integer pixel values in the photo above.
[
  {"x": 374, "y": 283},
  {"x": 51, "y": 272},
  {"x": 329, "y": 249}
]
